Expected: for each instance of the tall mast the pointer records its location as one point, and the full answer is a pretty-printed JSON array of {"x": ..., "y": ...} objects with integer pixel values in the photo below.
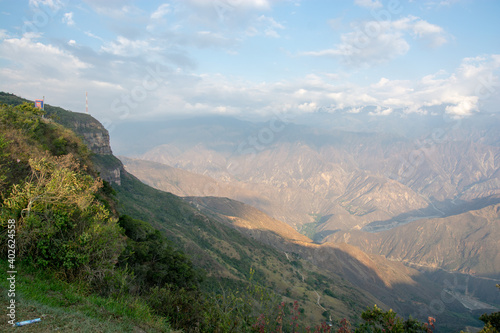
[{"x": 86, "y": 102}]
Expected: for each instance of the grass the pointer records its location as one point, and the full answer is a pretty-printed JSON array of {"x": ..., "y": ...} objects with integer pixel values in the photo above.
[
  {"x": 227, "y": 253},
  {"x": 70, "y": 307}
]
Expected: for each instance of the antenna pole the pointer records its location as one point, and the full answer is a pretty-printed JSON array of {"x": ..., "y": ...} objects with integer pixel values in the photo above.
[{"x": 86, "y": 102}]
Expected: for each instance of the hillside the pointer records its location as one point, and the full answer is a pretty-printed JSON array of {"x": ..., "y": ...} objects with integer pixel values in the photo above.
[
  {"x": 151, "y": 269},
  {"x": 399, "y": 286},
  {"x": 227, "y": 255},
  {"x": 374, "y": 275},
  {"x": 91, "y": 131},
  {"x": 248, "y": 218},
  {"x": 63, "y": 239},
  {"x": 467, "y": 242},
  {"x": 269, "y": 249}
]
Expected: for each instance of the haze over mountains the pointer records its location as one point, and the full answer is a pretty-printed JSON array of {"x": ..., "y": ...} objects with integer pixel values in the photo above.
[
  {"x": 346, "y": 178},
  {"x": 420, "y": 189}
]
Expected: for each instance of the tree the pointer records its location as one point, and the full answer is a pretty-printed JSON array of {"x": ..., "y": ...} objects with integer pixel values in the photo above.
[
  {"x": 377, "y": 320},
  {"x": 491, "y": 321},
  {"x": 153, "y": 259},
  {"x": 24, "y": 117},
  {"x": 60, "y": 224}
]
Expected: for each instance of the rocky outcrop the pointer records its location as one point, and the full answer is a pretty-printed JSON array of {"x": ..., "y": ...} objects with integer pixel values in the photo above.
[
  {"x": 109, "y": 167},
  {"x": 92, "y": 132},
  {"x": 98, "y": 143},
  {"x": 96, "y": 137}
]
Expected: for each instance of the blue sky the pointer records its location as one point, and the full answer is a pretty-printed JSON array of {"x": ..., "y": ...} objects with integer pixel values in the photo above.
[{"x": 146, "y": 59}]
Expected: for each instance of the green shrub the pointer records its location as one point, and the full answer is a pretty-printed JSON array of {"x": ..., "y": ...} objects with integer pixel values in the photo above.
[
  {"x": 491, "y": 321},
  {"x": 153, "y": 259},
  {"x": 377, "y": 320},
  {"x": 183, "y": 308},
  {"x": 59, "y": 222}
]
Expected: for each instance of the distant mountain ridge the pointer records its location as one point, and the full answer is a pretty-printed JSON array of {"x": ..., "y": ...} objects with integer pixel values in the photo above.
[
  {"x": 466, "y": 242},
  {"x": 348, "y": 179}
]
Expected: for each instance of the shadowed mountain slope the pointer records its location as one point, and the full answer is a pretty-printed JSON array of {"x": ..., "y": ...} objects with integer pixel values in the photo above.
[
  {"x": 393, "y": 283},
  {"x": 466, "y": 242}
]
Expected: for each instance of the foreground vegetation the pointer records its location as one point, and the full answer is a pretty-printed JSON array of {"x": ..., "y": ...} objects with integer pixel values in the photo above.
[{"x": 83, "y": 265}]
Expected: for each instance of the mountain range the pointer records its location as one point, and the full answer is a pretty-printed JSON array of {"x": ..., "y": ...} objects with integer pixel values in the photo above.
[
  {"x": 237, "y": 206},
  {"x": 424, "y": 195},
  {"x": 304, "y": 172}
]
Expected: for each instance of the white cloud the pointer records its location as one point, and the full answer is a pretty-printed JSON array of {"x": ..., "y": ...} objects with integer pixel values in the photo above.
[
  {"x": 40, "y": 69},
  {"x": 442, "y": 3},
  {"x": 52, "y": 4},
  {"x": 463, "y": 106},
  {"x": 265, "y": 25},
  {"x": 380, "y": 112},
  {"x": 368, "y": 3},
  {"x": 30, "y": 53},
  {"x": 308, "y": 107},
  {"x": 127, "y": 48},
  {"x": 431, "y": 32},
  {"x": 108, "y": 3},
  {"x": 259, "y": 4},
  {"x": 374, "y": 42},
  {"x": 206, "y": 39},
  {"x": 88, "y": 33},
  {"x": 355, "y": 110},
  {"x": 230, "y": 4},
  {"x": 237, "y": 18},
  {"x": 120, "y": 69},
  {"x": 357, "y": 49},
  {"x": 68, "y": 19},
  {"x": 455, "y": 93},
  {"x": 161, "y": 11},
  {"x": 116, "y": 9}
]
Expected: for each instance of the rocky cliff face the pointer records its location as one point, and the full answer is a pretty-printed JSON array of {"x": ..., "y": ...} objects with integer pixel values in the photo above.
[
  {"x": 96, "y": 137},
  {"x": 98, "y": 142}
]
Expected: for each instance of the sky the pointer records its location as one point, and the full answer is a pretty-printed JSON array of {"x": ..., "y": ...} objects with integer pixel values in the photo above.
[{"x": 145, "y": 60}]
